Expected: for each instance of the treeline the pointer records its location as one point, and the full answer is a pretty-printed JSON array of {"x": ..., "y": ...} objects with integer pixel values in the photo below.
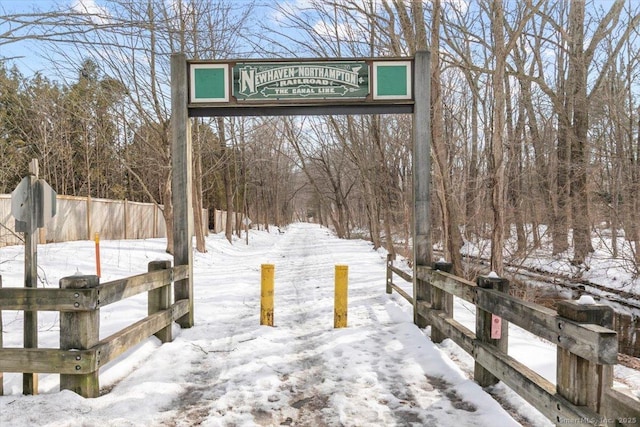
[{"x": 535, "y": 124}]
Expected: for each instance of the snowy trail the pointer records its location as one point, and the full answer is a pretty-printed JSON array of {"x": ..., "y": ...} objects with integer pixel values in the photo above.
[
  {"x": 379, "y": 371},
  {"x": 228, "y": 371}
]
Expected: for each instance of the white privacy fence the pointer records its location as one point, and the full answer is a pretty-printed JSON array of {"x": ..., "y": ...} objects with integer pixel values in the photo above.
[{"x": 79, "y": 218}]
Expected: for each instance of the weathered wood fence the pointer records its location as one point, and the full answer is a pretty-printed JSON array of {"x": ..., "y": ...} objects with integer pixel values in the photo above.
[
  {"x": 587, "y": 347},
  {"x": 79, "y": 218},
  {"x": 79, "y": 299}
]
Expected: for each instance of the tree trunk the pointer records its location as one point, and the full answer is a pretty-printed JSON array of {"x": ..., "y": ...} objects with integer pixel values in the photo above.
[
  {"x": 197, "y": 191},
  {"x": 471, "y": 188},
  {"x": 560, "y": 197},
  {"x": 385, "y": 186},
  {"x": 497, "y": 150},
  {"x": 514, "y": 170},
  {"x": 634, "y": 216},
  {"x": 450, "y": 216},
  {"x": 541, "y": 181},
  {"x": 580, "y": 126},
  {"x": 226, "y": 179},
  {"x": 168, "y": 213}
]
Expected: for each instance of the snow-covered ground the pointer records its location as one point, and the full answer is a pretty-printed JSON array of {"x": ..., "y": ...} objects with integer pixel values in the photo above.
[{"x": 229, "y": 371}]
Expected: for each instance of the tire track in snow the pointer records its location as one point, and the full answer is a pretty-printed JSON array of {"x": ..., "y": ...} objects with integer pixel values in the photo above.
[
  {"x": 305, "y": 266},
  {"x": 381, "y": 370}
]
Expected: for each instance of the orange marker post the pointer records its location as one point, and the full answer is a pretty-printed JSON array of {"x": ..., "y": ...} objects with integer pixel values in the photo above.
[{"x": 96, "y": 238}]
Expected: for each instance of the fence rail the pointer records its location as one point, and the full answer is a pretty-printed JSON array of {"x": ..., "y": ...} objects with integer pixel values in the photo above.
[
  {"x": 79, "y": 299},
  {"x": 390, "y": 285},
  {"x": 587, "y": 347}
]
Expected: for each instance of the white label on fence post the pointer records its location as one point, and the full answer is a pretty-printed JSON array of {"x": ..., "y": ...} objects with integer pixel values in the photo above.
[{"x": 496, "y": 327}]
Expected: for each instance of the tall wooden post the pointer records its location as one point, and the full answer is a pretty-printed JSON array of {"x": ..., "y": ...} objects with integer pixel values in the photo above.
[
  {"x": 484, "y": 320},
  {"x": 422, "y": 249},
  {"x": 30, "y": 380},
  {"x": 181, "y": 182},
  {"x": 80, "y": 330},
  {"x": 579, "y": 380},
  {"x": 160, "y": 299}
]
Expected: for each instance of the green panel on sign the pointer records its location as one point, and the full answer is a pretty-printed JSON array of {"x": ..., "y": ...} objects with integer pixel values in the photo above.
[
  {"x": 300, "y": 80},
  {"x": 391, "y": 80},
  {"x": 209, "y": 83}
]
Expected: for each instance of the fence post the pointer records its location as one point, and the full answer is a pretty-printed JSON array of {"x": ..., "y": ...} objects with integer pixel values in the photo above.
[
  {"x": 80, "y": 330},
  {"x": 579, "y": 380},
  {"x": 441, "y": 300},
  {"x": 390, "y": 258},
  {"x": 160, "y": 299},
  {"x": 484, "y": 320},
  {"x": 88, "y": 217},
  {"x": 125, "y": 214}
]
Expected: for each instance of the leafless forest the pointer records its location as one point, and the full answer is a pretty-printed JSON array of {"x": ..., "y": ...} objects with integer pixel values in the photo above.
[{"x": 535, "y": 117}]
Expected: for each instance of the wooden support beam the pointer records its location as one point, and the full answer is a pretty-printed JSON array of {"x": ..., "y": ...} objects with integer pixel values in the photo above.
[
  {"x": 41, "y": 299},
  {"x": 622, "y": 406},
  {"x": 160, "y": 299},
  {"x": 116, "y": 344},
  {"x": 80, "y": 331},
  {"x": 390, "y": 258},
  {"x": 580, "y": 381},
  {"x": 181, "y": 169},
  {"x": 403, "y": 274},
  {"x": 484, "y": 320},
  {"x": 449, "y": 283},
  {"x": 121, "y": 289},
  {"x": 441, "y": 300},
  {"x": 421, "y": 159},
  {"x": 48, "y": 360},
  {"x": 402, "y": 293},
  {"x": 535, "y": 389},
  {"x": 590, "y": 341}
]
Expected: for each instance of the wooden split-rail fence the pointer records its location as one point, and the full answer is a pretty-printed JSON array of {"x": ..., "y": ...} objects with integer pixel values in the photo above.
[
  {"x": 79, "y": 299},
  {"x": 584, "y": 393}
]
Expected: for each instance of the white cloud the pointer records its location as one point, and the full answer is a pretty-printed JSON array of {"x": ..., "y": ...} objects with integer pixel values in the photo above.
[{"x": 98, "y": 14}]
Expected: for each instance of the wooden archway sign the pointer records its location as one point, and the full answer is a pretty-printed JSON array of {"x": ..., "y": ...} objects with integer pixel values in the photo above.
[{"x": 297, "y": 87}]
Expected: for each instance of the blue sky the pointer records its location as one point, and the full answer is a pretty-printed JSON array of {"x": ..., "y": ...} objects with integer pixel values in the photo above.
[
  {"x": 28, "y": 56},
  {"x": 28, "y": 5}
]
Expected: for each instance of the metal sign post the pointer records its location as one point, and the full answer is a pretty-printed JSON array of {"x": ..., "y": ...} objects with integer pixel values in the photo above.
[{"x": 33, "y": 203}]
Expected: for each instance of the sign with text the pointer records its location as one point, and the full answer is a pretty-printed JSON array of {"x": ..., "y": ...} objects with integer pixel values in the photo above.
[
  {"x": 252, "y": 82},
  {"x": 292, "y": 81}
]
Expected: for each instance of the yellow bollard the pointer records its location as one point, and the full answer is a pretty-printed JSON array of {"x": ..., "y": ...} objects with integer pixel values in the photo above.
[
  {"x": 340, "y": 309},
  {"x": 266, "y": 294}
]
